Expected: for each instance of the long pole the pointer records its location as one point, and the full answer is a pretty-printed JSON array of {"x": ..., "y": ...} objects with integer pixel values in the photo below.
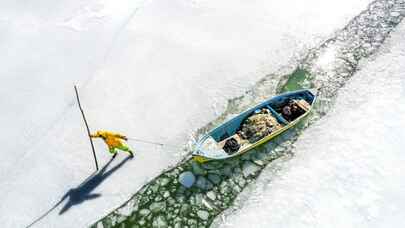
[{"x": 87, "y": 127}]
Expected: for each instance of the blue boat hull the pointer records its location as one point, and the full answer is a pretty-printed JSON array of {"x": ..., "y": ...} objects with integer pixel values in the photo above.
[{"x": 230, "y": 127}]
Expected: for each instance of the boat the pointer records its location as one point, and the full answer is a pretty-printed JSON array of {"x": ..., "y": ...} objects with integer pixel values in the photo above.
[{"x": 212, "y": 145}]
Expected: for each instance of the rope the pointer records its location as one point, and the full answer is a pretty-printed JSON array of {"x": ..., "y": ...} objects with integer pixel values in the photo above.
[
  {"x": 145, "y": 141},
  {"x": 152, "y": 142}
]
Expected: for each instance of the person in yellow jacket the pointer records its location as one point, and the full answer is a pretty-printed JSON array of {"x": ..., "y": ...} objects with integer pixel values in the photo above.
[{"x": 114, "y": 141}]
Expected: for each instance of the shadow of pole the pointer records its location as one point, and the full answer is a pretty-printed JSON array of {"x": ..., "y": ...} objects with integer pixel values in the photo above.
[{"x": 84, "y": 191}]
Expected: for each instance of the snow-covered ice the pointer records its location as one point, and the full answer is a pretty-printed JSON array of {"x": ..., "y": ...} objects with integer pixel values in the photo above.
[
  {"x": 155, "y": 70},
  {"x": 348, "y": 168}
]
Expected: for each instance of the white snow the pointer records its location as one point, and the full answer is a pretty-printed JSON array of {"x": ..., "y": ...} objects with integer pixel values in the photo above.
[
  {"x": 156, "y": 70},
  {"x": 348, "y": 168}
]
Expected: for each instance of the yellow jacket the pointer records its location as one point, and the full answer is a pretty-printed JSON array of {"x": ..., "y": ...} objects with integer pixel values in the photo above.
[{"x": 113, "y": 140}]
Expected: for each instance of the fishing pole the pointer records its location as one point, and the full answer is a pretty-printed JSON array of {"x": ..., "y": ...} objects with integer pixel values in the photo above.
[{"x": 87, "y": 127}]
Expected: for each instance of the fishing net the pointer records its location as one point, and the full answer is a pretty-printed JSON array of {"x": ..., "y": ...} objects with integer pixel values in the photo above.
[{"x": 258, "y": 126}]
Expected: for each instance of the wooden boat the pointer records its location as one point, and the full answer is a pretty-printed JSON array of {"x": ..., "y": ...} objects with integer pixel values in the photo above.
[{"x": 211, "y": 145}]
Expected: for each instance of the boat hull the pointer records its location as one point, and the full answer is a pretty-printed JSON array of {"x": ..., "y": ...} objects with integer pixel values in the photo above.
[{"x": 201, "y": 155}]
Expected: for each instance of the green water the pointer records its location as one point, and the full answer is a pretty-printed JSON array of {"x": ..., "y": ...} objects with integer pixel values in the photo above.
[{"x": 299, "y": 79}]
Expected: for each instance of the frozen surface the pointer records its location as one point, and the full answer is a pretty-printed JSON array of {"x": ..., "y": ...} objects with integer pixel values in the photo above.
[
  {"x": 348, "y": 168},
  {"x": 156, "y": 70}
]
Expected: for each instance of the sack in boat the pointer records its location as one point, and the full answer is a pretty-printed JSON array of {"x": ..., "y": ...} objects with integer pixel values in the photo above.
[
  {"x": 231, "y": 146},
  {"x": 258, "y": 126},
  {"x": 294, "y": 109}
]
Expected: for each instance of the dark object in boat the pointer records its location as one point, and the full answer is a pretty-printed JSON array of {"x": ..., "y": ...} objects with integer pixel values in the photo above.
[
  {"x": 291, "y": 111},
  {"x": 231, "y": 146}
]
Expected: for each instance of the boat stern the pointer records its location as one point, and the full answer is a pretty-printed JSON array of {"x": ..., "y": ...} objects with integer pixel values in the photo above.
[
  {"x": 207, "y": 149},
  {"x": 200, "y": 159}
]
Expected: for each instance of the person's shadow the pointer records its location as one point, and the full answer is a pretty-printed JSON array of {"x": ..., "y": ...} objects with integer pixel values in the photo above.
[{"x": 84, "y": 191}]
